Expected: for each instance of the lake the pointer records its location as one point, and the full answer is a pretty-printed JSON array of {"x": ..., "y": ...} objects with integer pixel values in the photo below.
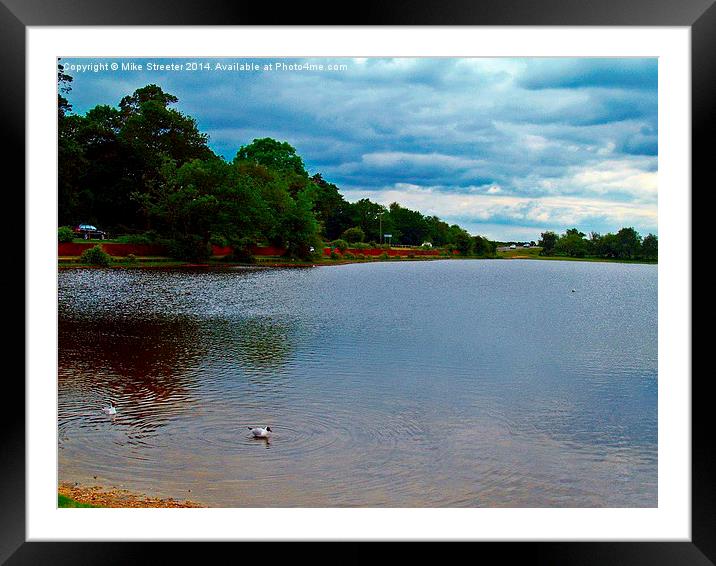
[{"x": 455, "y": 383}]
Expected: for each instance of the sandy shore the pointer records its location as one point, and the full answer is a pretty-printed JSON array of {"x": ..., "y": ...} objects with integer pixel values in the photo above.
[{"x": 103, "y": 497}]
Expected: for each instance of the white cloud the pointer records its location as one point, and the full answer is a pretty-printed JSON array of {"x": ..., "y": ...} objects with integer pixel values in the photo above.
[{"x": 530, "y": 213}]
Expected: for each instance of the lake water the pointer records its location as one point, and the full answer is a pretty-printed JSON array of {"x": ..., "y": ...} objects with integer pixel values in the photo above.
[{"x": 417, "y": 384}]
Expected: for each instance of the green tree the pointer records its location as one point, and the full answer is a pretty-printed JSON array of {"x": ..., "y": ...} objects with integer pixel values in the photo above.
[
  {"x": 353, "y": 235},
  {"x": 483, "y": 247},
  {"x": 628, "y": 243},
  {"x": 606, "y": 246},
  {"x": 282, "y": 159},
  {"x": 299, "y": 228},
  {"x": 650, "y": 247},
  {"x": 548, "y": 241},
  {"x": 275, "y": 155},
  {"x": 572, "y": 243},
  {"x": 410, "y": 225},
  {"x": 63, "y": 87},
  {"x": 332, "y": 211},
  {"x": 72, "y": 163},
  {"x": 370, "y": 217},
  {"x": 463, "y": 243},
  {"x": 438, "y": 231}
]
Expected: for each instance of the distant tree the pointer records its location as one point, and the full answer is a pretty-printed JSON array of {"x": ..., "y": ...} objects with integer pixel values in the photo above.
[
  {"x": 353, "y": 235},
  {"x": 548, "y": 240},
  {"x": 63, "y": 87},
  {"x": 299, "y": 229},
  {"x": 628, "y": 243},
  {"x": 332, "y": 211},
  {"x": 342, "y": 245},
  {"x": 463, "y": 243},
  {"x": 72, "y": 163},
  {"x": 606, "y": 246},
  {"x": 369, "y": 216},
  {"x": 410, "y": 224},
  {"x": 482, "y": 246},
  {"x": 280, "y": 157},
  {"x": 438, "y": 231},
  {"x": 572, "y": 244},
  {"x": 650, "y": 247}
]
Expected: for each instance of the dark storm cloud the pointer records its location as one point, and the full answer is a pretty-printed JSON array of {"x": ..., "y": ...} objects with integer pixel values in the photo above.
[{"x": 485, "y": 130}]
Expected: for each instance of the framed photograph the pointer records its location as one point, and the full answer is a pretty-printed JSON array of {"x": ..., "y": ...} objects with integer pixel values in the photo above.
[{"x": 395, "y": 279}]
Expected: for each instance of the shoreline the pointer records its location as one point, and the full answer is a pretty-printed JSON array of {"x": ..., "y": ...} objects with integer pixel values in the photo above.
[
  {"x": 103, "y": 497},
  {"x": 63, "y": 264}
]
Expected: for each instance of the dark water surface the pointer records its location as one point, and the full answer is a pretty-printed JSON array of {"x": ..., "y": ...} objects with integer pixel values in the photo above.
[{"x": 442, "y": 383}]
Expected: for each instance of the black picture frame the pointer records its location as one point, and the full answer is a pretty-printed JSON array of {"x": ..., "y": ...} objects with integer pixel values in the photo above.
[{"x": 699, "y": 15}]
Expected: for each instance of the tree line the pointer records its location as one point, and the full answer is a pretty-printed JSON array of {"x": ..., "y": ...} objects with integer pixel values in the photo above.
[
  {"x": 627, "y": 244},
  {"x": 144, "y": 168}
]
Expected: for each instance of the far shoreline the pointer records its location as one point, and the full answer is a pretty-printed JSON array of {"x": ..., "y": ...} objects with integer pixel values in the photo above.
[{"x": 169, "y": 263}]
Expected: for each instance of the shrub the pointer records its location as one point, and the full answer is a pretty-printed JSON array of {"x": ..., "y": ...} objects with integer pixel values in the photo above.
[
  {"x": 242, "y": 251},
  {"x": 340, "y": 244},
  {"x": 219, "y": 240},
  {"x": 96, "y": 256},
  {"x": 353, "y": 235},
  {"x": 131, "y": 258},
  {"x": 384, "y": 255},
  {"x": 189, "y": 248},
  {"x": 361, "y": 256},
  {"x": 349, "y": 255},
  {"x": 334, "y": 255},
  {"x": 65, "y": 234},
  {"x": 411, "y": 255},
  {"x": 141, "y": 239}
]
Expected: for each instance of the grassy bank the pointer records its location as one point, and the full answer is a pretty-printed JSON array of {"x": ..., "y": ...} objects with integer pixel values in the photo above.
[
  {"x": 63, "y": 501},
  {"x": 533, "y": 253}
]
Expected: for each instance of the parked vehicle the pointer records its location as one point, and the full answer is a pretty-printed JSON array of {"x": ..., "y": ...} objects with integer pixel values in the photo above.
[{"x": 88, "y": 232}]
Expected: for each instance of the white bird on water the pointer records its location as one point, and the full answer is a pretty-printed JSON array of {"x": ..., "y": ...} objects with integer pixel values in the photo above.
[
  {"x": 110, "y": 409},
  {"x": 259, "y": 432}
]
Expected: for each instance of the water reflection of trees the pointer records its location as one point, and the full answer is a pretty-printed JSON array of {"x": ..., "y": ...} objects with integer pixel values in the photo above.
[
  {"x": 147, "y": 366},
  {"x": 263, "y": 346}
]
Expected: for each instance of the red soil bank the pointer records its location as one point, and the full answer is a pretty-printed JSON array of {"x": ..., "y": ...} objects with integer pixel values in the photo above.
[
  {"x": 145, "y": 250},
  {"x": 116, "y": 250},
  {"x": 379, "y": 251},
  {"x": 255, "y": 250}
]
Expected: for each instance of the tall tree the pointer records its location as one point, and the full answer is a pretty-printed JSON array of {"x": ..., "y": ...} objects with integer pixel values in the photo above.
[
  {"x": 333, "y": 212},
  {"x": 650, "y": 247},
  {"x": 628, "y": 243},
  {"x": 373, "y": 219},
  {"x": 548, "y": 240},
  {"x": 410, "y": 224}
]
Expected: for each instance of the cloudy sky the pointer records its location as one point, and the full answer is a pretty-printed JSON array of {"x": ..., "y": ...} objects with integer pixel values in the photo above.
[{"x": 506, "y": 148}]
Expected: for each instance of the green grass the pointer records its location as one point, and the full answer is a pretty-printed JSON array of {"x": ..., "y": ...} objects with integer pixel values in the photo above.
[
  {"x": 63, "y": 501},
  {"x": 533, "y": 253}
]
